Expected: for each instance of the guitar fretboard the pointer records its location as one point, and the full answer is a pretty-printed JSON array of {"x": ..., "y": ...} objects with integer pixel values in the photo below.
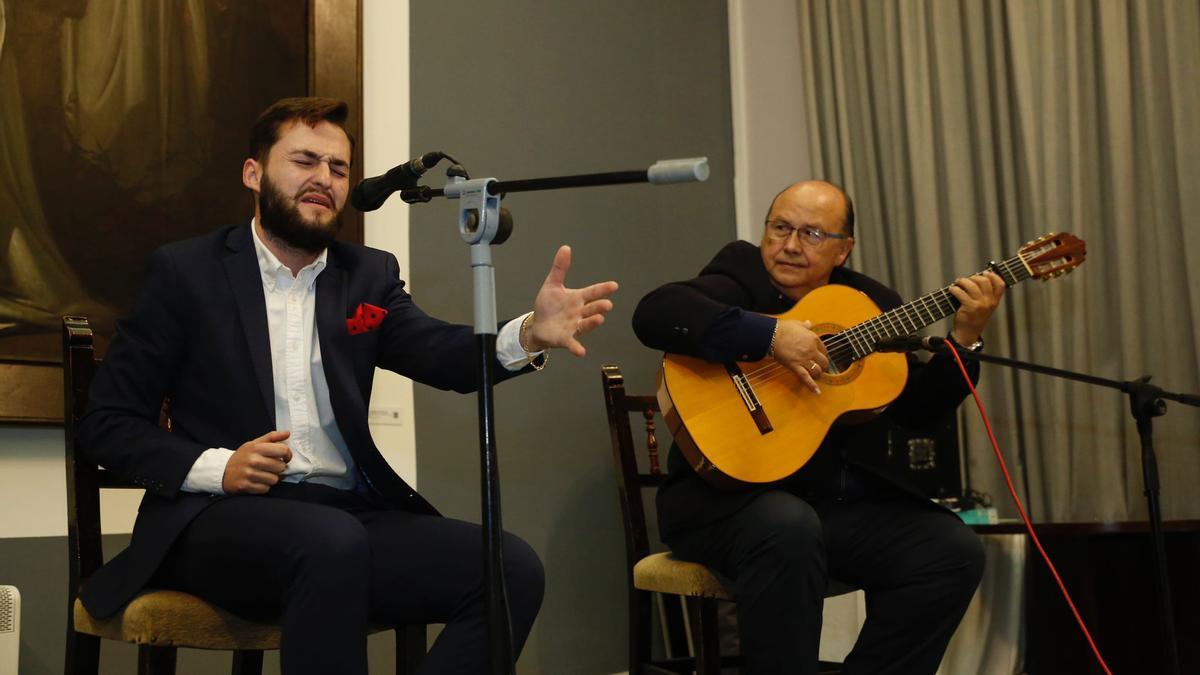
[{"x": 861, "y": 340}]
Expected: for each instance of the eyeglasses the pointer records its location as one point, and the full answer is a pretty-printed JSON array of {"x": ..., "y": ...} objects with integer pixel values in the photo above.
[{"x": 813, "y": 236}]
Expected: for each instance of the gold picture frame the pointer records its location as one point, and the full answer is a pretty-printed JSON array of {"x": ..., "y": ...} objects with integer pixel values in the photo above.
[{"x": 31, "y": 387}]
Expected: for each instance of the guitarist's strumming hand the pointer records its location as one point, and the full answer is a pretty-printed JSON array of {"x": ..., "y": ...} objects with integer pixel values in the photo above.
[
  {"x": 801, "y": 351},
  {"x": 978, "y": 296}
]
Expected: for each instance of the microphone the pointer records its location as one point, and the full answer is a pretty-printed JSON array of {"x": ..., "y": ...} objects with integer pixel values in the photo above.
[
  {"x": 371, "y": 193},
  {"x": 911, "y": 343}
]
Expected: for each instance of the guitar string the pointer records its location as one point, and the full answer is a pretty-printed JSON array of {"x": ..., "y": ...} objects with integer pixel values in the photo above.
[
  {"x": 842, "y": 345},
  {"x": 837, "y": 347},
  {"x": 840, "y": 342},
  {"x": 845, "y": 340}
]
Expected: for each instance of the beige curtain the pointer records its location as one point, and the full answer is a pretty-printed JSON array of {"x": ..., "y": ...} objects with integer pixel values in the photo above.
[{"x": 964, "y": 129}]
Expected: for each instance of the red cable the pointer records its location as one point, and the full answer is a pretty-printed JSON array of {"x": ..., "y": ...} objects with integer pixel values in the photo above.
[{"x": 1021, "y": 509}]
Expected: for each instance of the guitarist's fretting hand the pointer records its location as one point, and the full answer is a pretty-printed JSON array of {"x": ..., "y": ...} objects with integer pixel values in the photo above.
[
  {"x": 979, "y": 296},
  {"x": 801, "y": 351}
]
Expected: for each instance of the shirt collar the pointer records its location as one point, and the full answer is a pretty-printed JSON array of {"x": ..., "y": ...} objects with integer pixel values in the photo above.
[{"x": 273, "y": 271}]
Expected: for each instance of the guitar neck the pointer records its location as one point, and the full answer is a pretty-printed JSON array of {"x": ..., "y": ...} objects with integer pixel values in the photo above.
[{"x": 916, "y": 315}]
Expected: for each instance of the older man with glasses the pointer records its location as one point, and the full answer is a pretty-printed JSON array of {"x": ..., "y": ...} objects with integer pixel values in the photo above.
[{"x": 836, "y": 517}]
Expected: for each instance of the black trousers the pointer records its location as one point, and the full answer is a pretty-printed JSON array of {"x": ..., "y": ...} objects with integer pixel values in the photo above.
[
  {"x": 918, "y": 565},
  {"x": 326, "y": 563}
]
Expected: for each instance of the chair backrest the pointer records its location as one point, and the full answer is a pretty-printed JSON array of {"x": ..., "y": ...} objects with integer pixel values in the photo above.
[
  {"x": 632, "y": 475},
  {"x": 84, "y": 478}
]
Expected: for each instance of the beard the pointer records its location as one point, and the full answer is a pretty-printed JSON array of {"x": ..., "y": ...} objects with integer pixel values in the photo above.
[{"x": 283, "y": 220}]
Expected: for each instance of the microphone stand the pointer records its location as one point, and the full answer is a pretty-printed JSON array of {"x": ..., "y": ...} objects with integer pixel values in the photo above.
[
  {"x": 482, "y": 224},
  {"x": 1146, "y": 401}
]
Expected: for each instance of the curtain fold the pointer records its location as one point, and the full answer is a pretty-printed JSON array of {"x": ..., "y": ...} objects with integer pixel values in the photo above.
[{"x": 963, "y": 130}]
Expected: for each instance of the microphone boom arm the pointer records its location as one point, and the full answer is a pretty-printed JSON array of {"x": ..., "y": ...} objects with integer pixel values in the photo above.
[{"x": 662, "y": 172}]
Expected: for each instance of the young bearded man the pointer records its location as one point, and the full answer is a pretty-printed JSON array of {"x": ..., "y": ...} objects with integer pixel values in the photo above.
[{"x": 268, "y": 497}]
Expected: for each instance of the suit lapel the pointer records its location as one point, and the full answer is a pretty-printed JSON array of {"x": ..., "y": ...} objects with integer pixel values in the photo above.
[
  {"x": 345, "y": 394},
  {"x": 241, "y": 266},
  {"x": 332, "y": 289}
]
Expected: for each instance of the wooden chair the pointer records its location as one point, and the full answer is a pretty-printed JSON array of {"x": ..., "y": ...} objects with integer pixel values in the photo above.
[
  {"x": 158, "y": 621},
  {"x": 661, "y": 575}
]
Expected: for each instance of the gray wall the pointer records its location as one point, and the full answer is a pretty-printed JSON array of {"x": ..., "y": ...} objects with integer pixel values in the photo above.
[{"x": 529, "y": 89}]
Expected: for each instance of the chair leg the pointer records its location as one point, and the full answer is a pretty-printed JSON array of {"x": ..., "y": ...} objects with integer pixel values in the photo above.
[
  {"x": 155, "y": 660},
  {"x": 672, "y": 611},
  {"x": 640, "y": 628},
  {"x": 247, "y": 662},
  {"x": 410, "y": 648},
  {"x": 83, "y": 654},
  {"x": 708, "y": 640}
]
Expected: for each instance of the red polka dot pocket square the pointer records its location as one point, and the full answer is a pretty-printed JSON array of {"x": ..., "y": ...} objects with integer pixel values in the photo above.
[{"x": 367, "y": 317}]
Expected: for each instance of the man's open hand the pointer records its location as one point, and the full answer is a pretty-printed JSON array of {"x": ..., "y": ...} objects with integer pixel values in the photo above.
[{"x": 561, "y": 314}]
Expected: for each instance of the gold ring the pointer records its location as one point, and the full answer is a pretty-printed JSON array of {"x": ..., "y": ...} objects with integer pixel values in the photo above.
[{"x": 814, "y": 368}]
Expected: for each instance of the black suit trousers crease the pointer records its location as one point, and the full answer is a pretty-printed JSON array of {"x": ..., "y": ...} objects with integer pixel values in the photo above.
[
  {"x": 327, "y": 563},
  {"x": 918, "y": 564}
]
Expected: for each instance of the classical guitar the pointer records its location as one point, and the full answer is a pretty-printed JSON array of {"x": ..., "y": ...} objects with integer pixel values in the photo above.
[{"x": 757, "y": 423}]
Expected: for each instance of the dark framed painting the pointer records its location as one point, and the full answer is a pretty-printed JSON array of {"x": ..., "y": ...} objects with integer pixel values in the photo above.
[{"x": 123, "y": 126}]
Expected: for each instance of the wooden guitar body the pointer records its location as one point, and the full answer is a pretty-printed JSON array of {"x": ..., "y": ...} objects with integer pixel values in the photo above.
[
  {"x": 756, "y": 423},
  {"x": 736, "y": 447}
]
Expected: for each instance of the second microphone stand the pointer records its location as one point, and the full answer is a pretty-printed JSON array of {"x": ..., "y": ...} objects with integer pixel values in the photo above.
[{"x": 1146, "y": 401}]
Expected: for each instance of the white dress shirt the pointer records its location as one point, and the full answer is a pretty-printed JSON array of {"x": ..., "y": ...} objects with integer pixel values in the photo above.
[{"x": 302, "y": 406}]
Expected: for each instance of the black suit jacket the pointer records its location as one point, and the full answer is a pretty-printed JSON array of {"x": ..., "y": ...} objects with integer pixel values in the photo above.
[
  {"x": 676, "y": 317},
  {"x": 198, "y": 335}
]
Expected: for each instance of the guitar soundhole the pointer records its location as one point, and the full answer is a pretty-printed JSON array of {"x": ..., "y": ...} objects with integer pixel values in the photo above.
[{"x": 843, "y": 369}]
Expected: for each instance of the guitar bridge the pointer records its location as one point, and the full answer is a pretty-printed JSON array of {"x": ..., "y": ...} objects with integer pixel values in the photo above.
[{"x": 749, "y": 398}]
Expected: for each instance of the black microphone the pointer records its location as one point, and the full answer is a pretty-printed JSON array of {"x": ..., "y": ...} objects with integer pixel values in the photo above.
[
  {"x": 911, "y": 343},
  {"x": 371, "y": 193}
]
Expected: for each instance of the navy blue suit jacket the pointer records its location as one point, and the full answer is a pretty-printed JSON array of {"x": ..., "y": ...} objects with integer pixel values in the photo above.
[{"x": 198, "y": 335}]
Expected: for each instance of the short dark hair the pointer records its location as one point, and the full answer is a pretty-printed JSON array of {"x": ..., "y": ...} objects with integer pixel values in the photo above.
[
  {"x": 847, "y": 220},
  {"x": 310, "y": 110}
]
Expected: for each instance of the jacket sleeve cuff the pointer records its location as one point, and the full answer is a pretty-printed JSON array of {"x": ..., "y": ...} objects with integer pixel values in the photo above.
[{"x": 738, "y": 335}]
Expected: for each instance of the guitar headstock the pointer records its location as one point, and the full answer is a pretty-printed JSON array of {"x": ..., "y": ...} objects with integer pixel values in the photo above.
[{"x": 1052, "y": 255}]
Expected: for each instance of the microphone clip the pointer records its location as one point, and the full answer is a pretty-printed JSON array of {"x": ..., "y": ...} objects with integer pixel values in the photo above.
[
  {"x": 371, "y": 193},
  {"x": 911, "y": 343}
]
